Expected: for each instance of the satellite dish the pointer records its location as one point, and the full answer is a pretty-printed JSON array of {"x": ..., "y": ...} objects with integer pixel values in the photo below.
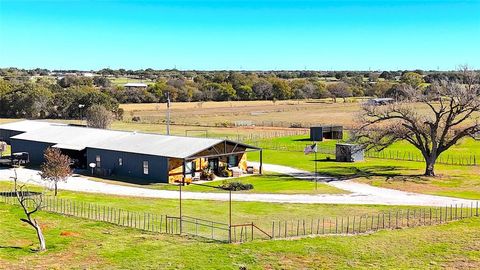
[{"x": 92, "y": 165}]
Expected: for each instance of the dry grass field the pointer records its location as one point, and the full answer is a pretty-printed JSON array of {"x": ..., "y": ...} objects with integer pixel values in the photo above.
[
  {"x": 261, "y": 113},
  {"x": 287, "y": 113}
]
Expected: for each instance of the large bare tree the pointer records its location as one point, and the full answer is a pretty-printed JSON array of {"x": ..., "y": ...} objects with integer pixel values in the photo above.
[
  {"x": 30, "y": 203},
  {"x": 432, "y": 119}
]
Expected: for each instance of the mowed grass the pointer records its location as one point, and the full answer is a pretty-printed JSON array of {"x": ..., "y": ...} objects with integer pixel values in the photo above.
[
  {"x": 260, "y": 213},
  {"x": 75, "y": 243},
  {"x": 455, "y": 181},
  {"x": 451, "y": 180},
  {"x": 267, "y": 183}
]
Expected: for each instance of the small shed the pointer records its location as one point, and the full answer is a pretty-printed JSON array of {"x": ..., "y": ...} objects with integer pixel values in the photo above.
[
  {"x": 318, "y": 133},
  {"x": 345, "y": 152}
]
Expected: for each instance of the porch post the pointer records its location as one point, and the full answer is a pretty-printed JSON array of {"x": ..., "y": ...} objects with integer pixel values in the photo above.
[{"x": 260, "y": 170}]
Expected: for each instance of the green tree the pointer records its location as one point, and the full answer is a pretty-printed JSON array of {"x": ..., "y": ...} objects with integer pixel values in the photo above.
[
  {"x": 413, "y": 79},
  {"x": 245, "y": 92},
  {"x": 281, "y": 89}
]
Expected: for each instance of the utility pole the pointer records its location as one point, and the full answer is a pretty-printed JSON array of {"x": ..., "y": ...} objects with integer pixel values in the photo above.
[{"x": 168, "y": 113}]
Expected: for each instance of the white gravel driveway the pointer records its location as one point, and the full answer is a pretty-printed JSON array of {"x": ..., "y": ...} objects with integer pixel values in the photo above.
[{"x": 361, "y": 193}]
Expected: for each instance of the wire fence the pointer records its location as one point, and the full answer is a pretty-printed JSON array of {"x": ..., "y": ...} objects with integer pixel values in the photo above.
[
  {"x": 447, "y": 159},
  {"x": 239, "y": 233}
]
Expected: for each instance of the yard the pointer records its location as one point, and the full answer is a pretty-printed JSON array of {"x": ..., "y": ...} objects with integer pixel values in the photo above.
[
  {"x": 79, "y": 243},
  {"x": 455, "y": 181},
  {"x": 268, "y": 183},
  {"x": 260, "y": 213}
]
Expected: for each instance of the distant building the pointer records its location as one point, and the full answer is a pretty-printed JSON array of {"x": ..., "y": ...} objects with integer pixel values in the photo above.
[
  {"x": 88, "y": 74},
  {"x": 380, "y": 101},
  {"x": 135, "y": 86}
]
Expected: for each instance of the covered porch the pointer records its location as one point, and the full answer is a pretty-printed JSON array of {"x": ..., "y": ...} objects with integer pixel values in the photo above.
[{"x": 226, "y": 159}]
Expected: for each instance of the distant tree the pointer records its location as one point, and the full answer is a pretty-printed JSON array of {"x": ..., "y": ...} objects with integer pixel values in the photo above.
[
  {"x": 56, "y": 167},
  {"x": 226, "y": 92},
  {"x": 413, "y": 79},
  {"x": 99, "y": 117},
  {"x": 387, "y": 75},
  {"x": 30, "y": 204},
  {"x": 321, "y": 90},
  {"x": 69, "y": 81},
  {"x": 339, "y": 90},
  {"x": 263, "y": 90},
  {"x": 281, "y": 89},
  {"x": 101, "y": 81},
  {"x": 245, "y": 92},
  {"x": 379, "y": 89},
  {"x": 450, "y": 109}
]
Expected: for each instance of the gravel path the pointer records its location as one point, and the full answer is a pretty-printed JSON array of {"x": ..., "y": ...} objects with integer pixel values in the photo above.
[{"x": 361, "y": 193}]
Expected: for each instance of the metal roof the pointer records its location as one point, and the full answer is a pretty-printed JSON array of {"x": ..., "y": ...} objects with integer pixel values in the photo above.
[
  {"x": 27, "y": 125},
  {"x": 75, "y": 137},
  {"x": 68, "y": 147}
]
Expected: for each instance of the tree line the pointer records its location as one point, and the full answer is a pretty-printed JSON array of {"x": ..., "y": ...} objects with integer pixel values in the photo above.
[{"x": 38, "y": 94}]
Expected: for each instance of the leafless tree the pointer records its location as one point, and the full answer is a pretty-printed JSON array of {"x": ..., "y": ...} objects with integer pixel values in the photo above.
[
  {"x": 30, "y": 203},
  {"x": 432, "y": 119},
  {"x": 99, "y": 117}
]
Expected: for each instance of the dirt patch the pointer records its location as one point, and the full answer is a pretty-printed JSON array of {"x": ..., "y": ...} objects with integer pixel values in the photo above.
[
  {"x": 68, "y": 233},
  {"x": 463, "y": 264}
]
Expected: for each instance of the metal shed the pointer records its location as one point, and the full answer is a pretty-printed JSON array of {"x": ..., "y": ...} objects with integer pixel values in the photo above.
[
  {"x": 345, "y": 152},
  {"x": 318, "y": 133}
]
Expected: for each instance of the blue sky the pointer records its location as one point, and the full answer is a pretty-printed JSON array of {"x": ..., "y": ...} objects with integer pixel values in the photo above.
[{"x": 253, "y": 35}]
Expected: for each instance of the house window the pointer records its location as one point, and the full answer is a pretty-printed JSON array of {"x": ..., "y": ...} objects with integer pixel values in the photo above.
[
  {"x": 145, "y": 167},
  {"x": 120, "y": 162},
  {"x": 98, "y": 161}
]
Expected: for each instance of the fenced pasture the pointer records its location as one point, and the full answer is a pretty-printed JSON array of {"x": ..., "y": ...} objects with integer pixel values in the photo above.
[
  {"x": 286, "y": 114},
  {"x": 249, "y": 231}
]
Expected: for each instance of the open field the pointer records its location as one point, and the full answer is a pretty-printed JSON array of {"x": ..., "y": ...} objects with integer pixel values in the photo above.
[
  {"x": 264, "y": 113},
  {"x": 285, "y": 113},
  {"x": 123, "y": 80},
  {"x": 79, "y": 243}
]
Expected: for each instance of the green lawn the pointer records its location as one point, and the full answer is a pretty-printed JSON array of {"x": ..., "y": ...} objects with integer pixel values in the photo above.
[
  {"x": 268, "y": 183},
  {"x": 464, "y": 148},
  {"x": 452, "y": 180},
  {"x": 82, "y": 244},
  {"x": 258, "y": 212}
]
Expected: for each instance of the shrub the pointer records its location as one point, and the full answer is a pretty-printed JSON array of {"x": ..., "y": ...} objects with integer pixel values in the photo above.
[
  {"x": 207, "y": 174},
  {"x": 225, "y": 172},
  {"x": 136, "y": 119},
  {"x": 235, "y": 186}
]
